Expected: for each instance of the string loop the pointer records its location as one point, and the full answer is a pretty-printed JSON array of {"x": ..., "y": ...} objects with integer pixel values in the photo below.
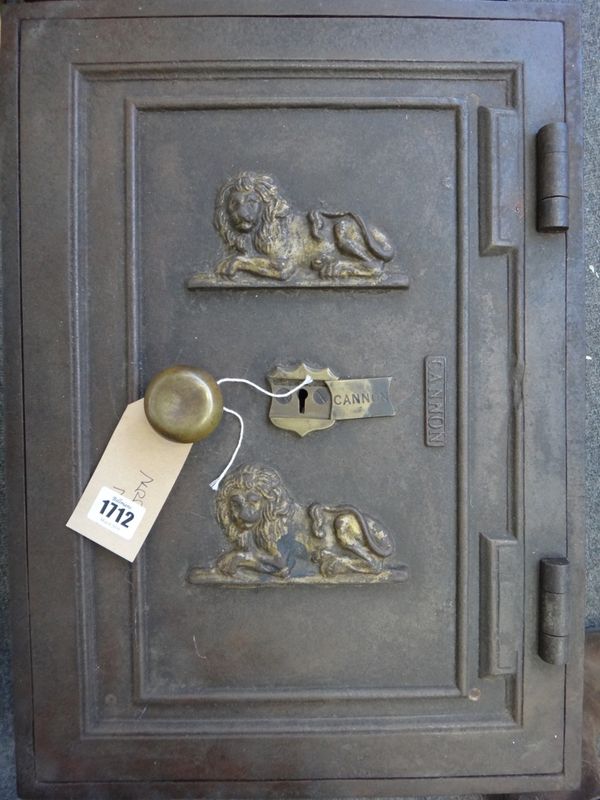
[{"x": 214, "y": 485}]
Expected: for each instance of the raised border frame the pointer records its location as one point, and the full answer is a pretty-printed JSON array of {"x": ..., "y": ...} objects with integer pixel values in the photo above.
[{"x": 567, "y": 13}]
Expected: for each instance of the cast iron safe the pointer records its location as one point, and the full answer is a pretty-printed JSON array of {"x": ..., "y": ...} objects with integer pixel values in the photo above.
[{"x": 384, "y": 595}]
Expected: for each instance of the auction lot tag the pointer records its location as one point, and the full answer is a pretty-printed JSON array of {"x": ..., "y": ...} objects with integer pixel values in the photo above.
[
  {"x": 129, "y": 486},
  {"x": 116, "y": 513}
]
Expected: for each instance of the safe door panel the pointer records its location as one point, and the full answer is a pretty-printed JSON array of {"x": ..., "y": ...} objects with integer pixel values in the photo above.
[
  {"x": 355, "y": 333},
  {"x": 260, "y": 675}
]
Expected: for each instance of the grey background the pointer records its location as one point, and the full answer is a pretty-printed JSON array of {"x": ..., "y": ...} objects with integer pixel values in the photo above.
[{"x": 591, "y": 40}]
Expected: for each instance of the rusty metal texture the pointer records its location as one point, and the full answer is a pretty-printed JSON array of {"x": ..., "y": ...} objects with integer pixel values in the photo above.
[
  {"x": 356, "y": 612},
  {"x": 589, "y": 788}
]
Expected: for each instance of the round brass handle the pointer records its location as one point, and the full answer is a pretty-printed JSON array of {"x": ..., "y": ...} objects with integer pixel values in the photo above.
[{"x": 183, "y": 404}]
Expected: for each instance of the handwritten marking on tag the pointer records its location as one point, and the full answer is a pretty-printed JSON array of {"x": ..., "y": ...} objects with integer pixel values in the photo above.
[{"x": 135, "y": 475}]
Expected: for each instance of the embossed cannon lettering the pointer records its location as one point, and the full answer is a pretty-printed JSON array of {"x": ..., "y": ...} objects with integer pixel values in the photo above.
[
  {"x": 435, "y": 401},
  {"x": 359, "y": 399}
]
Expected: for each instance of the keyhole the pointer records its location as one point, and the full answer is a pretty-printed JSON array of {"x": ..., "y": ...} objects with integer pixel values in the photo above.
[{"x": 302, "y": 395}]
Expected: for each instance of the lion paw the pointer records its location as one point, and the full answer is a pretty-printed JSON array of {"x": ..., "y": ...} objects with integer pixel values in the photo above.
[
  {"x": 327, "y": 267},
  {"x": 228, "y": 267},
  {"x": 331, "y": 564},
  {"x": 230, "y": 563}
]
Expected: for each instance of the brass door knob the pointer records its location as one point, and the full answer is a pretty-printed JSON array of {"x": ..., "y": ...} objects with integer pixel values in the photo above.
[{"x": 183, "y": 404}]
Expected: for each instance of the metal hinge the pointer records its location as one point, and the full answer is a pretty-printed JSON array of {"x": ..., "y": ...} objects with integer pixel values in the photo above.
[
  {"x": 553, "y": 178},
  {"x": 555, "y": 614}
]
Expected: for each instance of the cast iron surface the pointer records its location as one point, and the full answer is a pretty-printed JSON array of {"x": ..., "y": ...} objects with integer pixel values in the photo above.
[
  {"x": 590, "y": 783},
  {"x": 420, "y": 431}
]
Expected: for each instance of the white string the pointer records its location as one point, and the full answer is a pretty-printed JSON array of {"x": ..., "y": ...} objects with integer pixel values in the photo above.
[
  {"x": 305, "y": 382},
  {"x": 214, "y": 485}
]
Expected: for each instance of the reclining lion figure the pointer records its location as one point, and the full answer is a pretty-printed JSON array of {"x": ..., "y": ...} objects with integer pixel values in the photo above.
[
  {"x": 272, "y": 535},
  {"x": 264, "y": 237}
]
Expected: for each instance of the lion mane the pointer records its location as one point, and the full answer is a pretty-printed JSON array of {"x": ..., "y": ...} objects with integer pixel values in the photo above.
[
  {"x": 276, "y": 507},
  {"x": 269, "y": 235}
]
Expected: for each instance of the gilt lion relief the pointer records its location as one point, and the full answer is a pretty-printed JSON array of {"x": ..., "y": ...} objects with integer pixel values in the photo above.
[
  {"x": 274, "y": 540},
  {"x": 267, "y": 243}
]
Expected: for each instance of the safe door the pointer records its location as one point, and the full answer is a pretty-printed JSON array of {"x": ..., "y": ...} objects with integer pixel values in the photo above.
[{"x": 382, "y": 596}]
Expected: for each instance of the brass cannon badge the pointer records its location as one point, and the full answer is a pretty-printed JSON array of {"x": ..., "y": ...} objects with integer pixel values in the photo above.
[{"x": 326, "y": 400}]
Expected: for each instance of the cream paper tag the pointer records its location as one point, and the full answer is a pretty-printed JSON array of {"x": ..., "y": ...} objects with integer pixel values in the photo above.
[{"x": 129, "y": 486}]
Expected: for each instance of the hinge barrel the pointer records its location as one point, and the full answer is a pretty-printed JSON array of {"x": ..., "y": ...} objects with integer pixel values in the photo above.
[
  {"x": 554, "y": 610},
  {"x": 553, "y": 178}
]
